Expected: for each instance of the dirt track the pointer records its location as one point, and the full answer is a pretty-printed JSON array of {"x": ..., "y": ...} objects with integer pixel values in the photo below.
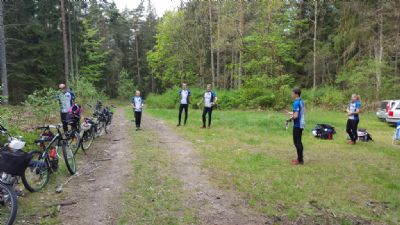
[
  {"x": 213, "y": 205},
  {"x": 101, "y": 178},
  {"x": 100, "y": 181}
]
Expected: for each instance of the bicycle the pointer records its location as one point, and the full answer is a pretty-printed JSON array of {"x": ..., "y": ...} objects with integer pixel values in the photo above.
[
  {"x": 87, "y": 134},
  {"x": 46, "y": 162},
  {"x": 108, "y": 114},
  {"x": 98, "y": 120},
  {"x": 13, "y": 163},
  {"x": 8, "y": 204},
  {"x": 73, "y": 136}
]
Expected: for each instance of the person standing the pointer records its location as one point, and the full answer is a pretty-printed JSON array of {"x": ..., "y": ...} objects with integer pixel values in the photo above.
[
  {"x": 298, "y": 118},
  {"x": 137, "y": 103},
  {"x": 210, "y": 99},
  {"x": 66, "y": 101},
  {"x": 184, "y": 95},
  {"x": 353, "y": 111}
]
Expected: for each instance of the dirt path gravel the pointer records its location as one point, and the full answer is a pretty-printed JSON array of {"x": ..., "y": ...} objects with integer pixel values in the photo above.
[
  {"x": 214, "y": 206},
  {"x": 100, "y": 179}
]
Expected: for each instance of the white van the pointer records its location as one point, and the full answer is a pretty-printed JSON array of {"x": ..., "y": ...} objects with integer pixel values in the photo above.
[{"x": 393, "y": 115}]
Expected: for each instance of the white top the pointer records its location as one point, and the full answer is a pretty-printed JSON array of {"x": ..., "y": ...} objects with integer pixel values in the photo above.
[
  {"x": 207, "y": 99},
  {"x": 184, "y": 97},
  {"x": 65, "y": 101},
  {"x": 138, "y": 104}
]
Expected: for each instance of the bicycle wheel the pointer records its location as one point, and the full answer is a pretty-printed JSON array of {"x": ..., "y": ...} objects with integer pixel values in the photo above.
[
  {"x": 87, "y": 139},
  {"x": 69, "y": 158},
  {"x": 107, "y": 127},
  {"x": 37, "y": 174},
  {"x": 74, "y": 142},
  {"x": 8, "y": 204},
  {"x": 100, "y": 128}
]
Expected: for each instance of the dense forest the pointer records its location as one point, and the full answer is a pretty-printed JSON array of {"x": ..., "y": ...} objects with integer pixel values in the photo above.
[{"x": 257, "y": 47}]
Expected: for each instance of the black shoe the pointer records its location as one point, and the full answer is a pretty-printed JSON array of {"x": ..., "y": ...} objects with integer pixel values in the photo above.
[{"x": 178, "y": 125}]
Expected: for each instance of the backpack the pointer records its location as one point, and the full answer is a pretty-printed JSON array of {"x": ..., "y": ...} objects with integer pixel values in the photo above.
[
  {"x": 324, "y": 131},
  {"x": 363, "y": 135},
  {"x": 14, "y": 162},
  {"x": 74, "y": 112}
]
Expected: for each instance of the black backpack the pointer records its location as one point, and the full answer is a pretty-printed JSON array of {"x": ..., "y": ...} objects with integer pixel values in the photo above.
[
  {"x": 363, "y": 135},
  {"x": 324, "y": 131}
]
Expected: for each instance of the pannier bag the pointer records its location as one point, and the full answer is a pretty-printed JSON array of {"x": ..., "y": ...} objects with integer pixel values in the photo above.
[
  {"x": 363, "y": 135},
  {"x": 14, "y": 162},
  {"x": 324, "y": 131}
]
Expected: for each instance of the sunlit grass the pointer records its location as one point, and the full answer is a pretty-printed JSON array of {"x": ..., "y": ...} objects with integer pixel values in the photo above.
[{"x": 251, "y": 151}]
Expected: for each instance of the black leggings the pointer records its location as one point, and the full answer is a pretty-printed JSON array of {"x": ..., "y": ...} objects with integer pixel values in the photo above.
[
  {"x": 297, "y": 134},
  {"x": 352, "y": 129},
  {"x": 205, "y": 111},
  {"x": 181, "y": 108},
  {"x": 64, "y": 121},
  {"x": 138, "y": 118}
]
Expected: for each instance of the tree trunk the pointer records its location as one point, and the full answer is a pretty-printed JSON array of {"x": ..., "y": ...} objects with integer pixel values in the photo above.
[
  {"x": 3, "y": 61},
  {"x": 137, "y": 61},
  {"x": 211, "y": 44},
  {"x": 241, "y": 34},
  {"x": 379, "y": 54},
  {"x": 315, "y": 43},
  {"x": 218, "y": 49},
  {"x": 70, "y": 44},
  {"x": 65, "y": 42}
]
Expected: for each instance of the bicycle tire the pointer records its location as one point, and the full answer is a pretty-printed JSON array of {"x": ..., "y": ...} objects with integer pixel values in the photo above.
[
  {"x": 100, "y": 129},
  {"x": 43, "y": 174},
  {"x": 69, "y": 158},
  {"x": 86, "y": 144},
  {"x": 8, "y": 196},
  {"x": 74, "y": 147}
]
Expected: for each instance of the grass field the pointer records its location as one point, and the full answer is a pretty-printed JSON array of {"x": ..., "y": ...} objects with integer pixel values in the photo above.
[{"x": 250, "y": 152}]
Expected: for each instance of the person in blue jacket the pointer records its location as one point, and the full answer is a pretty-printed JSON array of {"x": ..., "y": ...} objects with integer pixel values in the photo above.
[
  {"x": 184, "y": 96},
  {"x": 298, "y": 118},
  {"x": 137, "y": 104},
  {"x": 210, "y": 99},
  {"x": 353, "y": 111}
]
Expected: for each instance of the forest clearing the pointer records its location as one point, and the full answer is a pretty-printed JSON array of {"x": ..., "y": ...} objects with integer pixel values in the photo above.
[{"x": 199, "y": 112}]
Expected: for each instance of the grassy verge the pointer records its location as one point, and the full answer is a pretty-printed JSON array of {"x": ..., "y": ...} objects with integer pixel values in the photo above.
[
  {"x": 154, "y": 195},
  {"x": 251, "y": 151}
]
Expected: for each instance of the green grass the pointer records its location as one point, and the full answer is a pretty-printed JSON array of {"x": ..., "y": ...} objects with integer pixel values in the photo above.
[
  {"x": 154, "y": 195},
  {"x": 250, "y": 152}
]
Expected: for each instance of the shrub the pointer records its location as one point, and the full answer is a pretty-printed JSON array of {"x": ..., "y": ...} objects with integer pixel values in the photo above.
[
  {"x": 43, "y": 103},
  {"x": 86, "y": 92},
  {"x": 126, "y": 87}
]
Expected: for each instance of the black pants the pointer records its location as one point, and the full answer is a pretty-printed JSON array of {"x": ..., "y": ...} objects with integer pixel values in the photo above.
[
  {"x": 205, "y": 111},
  {"x": 181, "y": 108},
  {"x": 64, "y": 121},
  {"x": 297, "y": 134},
  {"x": 351, "y": 128},
  {"x": 138, "y": 118}
]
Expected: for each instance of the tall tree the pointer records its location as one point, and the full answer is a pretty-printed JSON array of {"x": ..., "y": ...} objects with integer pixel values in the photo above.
[
  {"x": 65, "y": 41},
  {"x": 315, "y": 43},
  {"x": 211, "y": 43},
  {"x": 3, "y": 64}
]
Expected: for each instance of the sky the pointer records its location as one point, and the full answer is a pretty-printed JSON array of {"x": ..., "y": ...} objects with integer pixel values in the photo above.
[{"x": 160, "y": 5}]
